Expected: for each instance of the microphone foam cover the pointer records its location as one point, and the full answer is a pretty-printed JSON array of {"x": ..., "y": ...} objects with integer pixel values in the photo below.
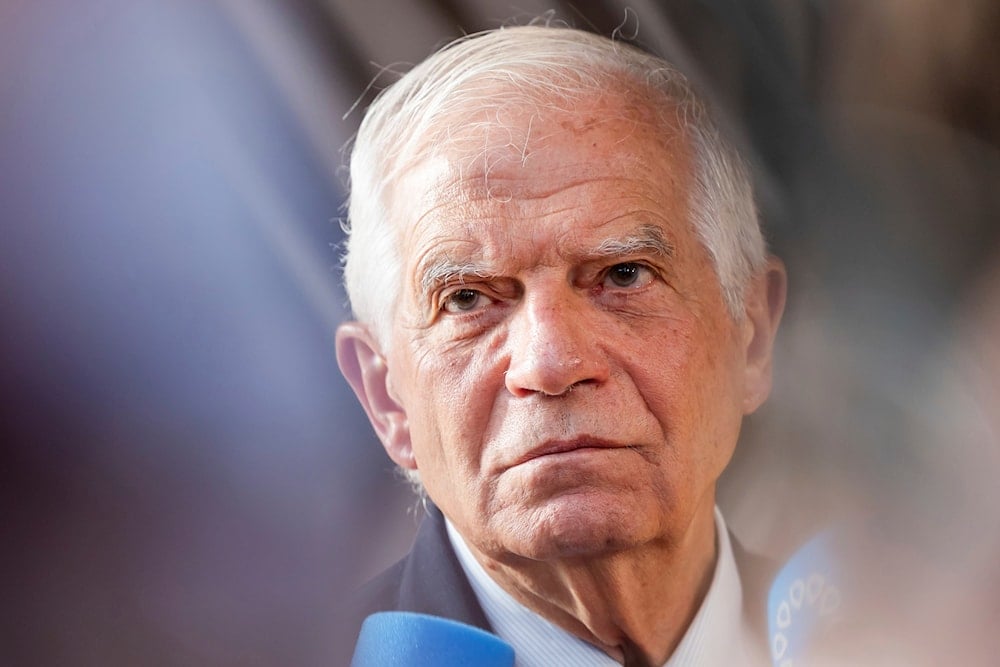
[{"x": 408, "y": 639}]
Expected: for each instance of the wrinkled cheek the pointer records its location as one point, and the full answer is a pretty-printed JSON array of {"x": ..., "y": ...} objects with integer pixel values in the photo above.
[
  {"x": 668, "y": 378},
  {"x": 457, "y": 389},
  {"x": 689, "y": 389}
]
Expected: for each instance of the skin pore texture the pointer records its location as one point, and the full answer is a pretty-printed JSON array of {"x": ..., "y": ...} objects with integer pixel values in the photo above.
[{"x": 563, "y": 370}]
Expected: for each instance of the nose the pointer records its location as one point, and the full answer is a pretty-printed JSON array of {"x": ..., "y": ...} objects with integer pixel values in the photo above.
[{"x": 554, "y": 347}]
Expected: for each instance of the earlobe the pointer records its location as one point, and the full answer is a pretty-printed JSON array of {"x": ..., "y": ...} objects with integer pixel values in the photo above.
[
  {"x": 363, "y": 365},
  {"x": 765, "y": 303}
]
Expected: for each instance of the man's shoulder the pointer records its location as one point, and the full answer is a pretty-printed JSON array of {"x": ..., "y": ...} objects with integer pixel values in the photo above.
[
  {"x": 757, "y": 573},
  {"x": 381, "y": 593},
  {"x": 353, "y": 607},
  {"x": 428, "y": 580}
]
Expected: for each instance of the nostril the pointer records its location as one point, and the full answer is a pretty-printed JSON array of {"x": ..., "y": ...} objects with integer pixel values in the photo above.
[{"x": 570, "y": 388}]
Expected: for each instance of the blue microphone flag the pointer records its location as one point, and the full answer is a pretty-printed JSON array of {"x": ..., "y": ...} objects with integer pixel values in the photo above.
[{"x": 803, "y": 601}]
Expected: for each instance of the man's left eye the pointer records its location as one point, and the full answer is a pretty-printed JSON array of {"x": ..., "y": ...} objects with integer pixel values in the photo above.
[{"x": 627, "y": 274}]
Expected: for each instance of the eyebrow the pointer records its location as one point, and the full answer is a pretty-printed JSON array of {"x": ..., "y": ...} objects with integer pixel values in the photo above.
[
  {"x": 445, "y": 271},
  {"x": 646, "y": 239}
]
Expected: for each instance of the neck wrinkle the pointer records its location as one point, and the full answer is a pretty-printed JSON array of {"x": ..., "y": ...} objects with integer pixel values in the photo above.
[{"x": 635, "y": 606}]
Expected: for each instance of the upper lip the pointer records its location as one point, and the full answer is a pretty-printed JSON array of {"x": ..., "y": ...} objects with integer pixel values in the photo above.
[{"x": 563, "y": 446}]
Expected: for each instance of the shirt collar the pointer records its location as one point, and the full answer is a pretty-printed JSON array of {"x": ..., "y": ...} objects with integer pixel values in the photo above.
[{"x": 718, "y": 635}]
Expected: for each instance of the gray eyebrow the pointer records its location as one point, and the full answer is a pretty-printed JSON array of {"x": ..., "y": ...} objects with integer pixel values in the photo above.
[
  {"x": 649, "y": 238},
  {"x": 444, "y": 271}
]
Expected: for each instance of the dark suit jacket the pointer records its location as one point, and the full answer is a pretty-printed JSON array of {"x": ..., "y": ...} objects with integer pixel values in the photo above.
[{"x": 430, "y": 580}]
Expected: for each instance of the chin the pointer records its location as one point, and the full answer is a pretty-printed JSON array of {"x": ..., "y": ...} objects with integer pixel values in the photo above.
[{"x": 575, "y": 527}]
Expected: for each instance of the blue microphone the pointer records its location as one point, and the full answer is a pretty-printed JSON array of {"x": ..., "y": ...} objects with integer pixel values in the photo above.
[
  {"x": 804, "y": 600},
  {"x": 407, "y": 639}
]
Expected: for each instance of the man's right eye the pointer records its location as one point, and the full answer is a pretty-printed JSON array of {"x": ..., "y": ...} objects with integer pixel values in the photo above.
[{"x": 464, "y": 300}]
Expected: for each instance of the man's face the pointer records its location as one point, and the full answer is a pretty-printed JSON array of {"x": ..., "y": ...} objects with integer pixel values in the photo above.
[{"x": 571, "y": 379}]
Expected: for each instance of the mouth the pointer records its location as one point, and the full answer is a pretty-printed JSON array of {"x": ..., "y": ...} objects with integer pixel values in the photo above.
[{"x": 557, "y": 447}]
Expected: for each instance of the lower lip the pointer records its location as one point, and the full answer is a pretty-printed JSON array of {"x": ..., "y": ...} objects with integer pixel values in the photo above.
[
  {"x": 571, "y": 453},
  {"x": 572, "y": 469}
]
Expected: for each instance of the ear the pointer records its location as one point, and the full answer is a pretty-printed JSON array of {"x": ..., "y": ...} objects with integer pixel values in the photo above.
[
  {"x": 362, "y": 363},
  {"x": 765, "y": 302}
]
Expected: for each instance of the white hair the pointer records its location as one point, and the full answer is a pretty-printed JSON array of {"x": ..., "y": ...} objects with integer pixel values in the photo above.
[{"x": 481, "y": 75}]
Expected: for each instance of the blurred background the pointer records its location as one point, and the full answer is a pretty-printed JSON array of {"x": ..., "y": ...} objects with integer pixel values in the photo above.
[{"x": 186, "y": 479}]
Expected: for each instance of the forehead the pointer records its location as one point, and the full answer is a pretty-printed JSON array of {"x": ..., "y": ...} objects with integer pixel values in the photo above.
[{"x": 605, "y": 166}]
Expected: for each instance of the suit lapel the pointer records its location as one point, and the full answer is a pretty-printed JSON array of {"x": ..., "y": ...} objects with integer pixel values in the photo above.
[{"x": 433, "y": 581}]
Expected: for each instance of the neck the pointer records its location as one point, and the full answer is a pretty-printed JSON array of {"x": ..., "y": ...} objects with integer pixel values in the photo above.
[{"x": 635, "y": 604}]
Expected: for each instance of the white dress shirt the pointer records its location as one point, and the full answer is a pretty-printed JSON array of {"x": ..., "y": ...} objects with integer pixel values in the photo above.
[{"x": 718, "y": 635}]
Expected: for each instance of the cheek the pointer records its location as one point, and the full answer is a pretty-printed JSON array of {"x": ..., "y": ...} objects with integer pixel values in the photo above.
[
  {"x": 664, "y": 362},
  {"x": 452, "y": 394},
  {"x": 689, "y": 383}
]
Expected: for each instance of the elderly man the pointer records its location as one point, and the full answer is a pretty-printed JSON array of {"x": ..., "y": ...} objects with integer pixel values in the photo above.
[{"x": 564, "y": 310}]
